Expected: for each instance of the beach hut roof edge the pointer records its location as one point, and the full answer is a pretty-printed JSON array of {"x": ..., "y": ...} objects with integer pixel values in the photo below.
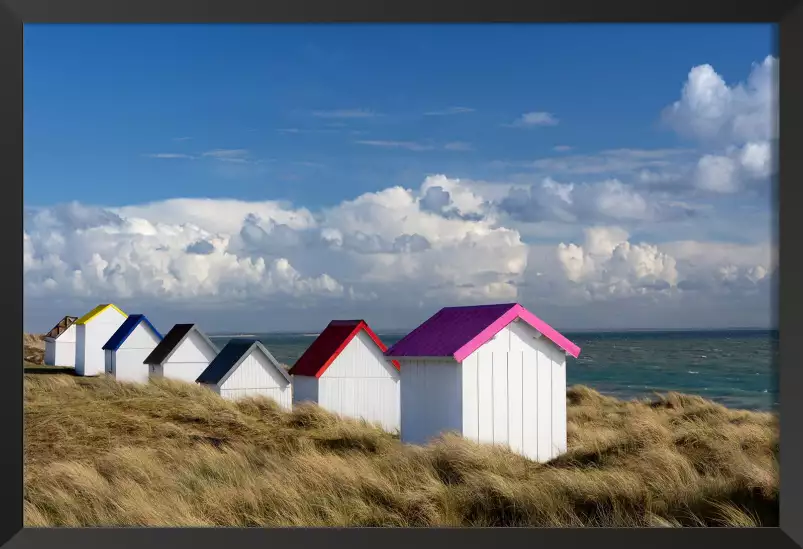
[
  {"x": 126, "y": 329},
  {"x": 329, "y": 344},
  {"x": 88, "y": 317},
  {"x": 457, "y": 332},
  {"x": 234, "y": 352},
  {"x": 172, "y": 340},
  {"x": 61, "y": 327}
]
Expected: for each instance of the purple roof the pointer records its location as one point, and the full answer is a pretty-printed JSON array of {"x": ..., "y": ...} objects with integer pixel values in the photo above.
[
  {"x": 444, "y": 333},
  {"x": 459, "y": 331}
]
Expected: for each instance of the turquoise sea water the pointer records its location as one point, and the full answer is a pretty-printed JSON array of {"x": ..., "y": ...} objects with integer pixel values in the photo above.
[{"x": 735, "y": 368}]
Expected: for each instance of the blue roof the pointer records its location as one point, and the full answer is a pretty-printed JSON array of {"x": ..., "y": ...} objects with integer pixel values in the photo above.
[{"x": 125, "y": 330}]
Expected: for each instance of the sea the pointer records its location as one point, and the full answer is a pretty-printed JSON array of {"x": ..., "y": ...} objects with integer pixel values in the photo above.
[{"x": 736, "y": 368}]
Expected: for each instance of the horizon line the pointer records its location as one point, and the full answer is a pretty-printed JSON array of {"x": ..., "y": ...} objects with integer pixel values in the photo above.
[{"x": 575, "y": 331}]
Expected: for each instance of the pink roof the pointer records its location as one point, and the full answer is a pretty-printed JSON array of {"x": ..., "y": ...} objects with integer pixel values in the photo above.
[{"x": 459, "y": 331}]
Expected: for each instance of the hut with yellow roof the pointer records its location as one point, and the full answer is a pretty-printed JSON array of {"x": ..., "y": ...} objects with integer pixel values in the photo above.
[{"x": 93, "y": 330}]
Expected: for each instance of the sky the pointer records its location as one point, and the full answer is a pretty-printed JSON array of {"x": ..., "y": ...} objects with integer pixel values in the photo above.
[{"x": 275, "y": 177}]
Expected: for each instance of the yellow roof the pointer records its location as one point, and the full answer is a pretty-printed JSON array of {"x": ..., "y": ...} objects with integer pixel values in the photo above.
[{"x": 97, "y": 310}]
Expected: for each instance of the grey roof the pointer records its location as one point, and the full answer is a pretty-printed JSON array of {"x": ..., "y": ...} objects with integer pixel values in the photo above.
[{"x": 231, "y": 356}]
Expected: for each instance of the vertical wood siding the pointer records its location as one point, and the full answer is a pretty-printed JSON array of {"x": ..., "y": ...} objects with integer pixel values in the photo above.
[
  {"x": 189, "y": 360},
  {"x": 361, "y": 384},
  {"x": 129, "y": 358},
  {"x": 514, "y": 394},
  {"x": 90, "y": 359},
  {"x": 305, "y": 389},
  {"x": 61, "y": 351},
  {"x": 431, "y": 399},
  {"x": 257, "y": 376}
]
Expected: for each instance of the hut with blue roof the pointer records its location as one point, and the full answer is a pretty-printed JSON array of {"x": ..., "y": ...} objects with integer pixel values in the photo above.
[
  {"x": 245, "y": 368},
  {"x": 127, "y": 349}
]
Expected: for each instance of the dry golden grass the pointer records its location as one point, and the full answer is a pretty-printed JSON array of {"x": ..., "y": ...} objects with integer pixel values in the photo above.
[
  {"x": 98, "y": 452},
  {"x": 33, "y": 348}
]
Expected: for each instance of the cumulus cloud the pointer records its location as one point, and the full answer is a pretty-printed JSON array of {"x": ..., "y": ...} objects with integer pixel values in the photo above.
[
  {"x": 584, "y": 203},
  {"x": 608, "y": 265},
  {"x": 442, "y": 243},
  {"x": 736, "y": 169},
  {"x": 711, "y": 110},
  {"x": 398, "y": 242},
  {"x": 738, "y": 123}
]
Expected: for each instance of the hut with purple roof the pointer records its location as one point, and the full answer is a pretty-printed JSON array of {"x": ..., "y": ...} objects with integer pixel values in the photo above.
[{"x": 492, "y": 373}]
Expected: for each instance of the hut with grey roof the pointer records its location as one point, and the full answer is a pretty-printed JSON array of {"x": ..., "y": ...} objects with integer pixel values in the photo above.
[{"x": 245, "y": 368}]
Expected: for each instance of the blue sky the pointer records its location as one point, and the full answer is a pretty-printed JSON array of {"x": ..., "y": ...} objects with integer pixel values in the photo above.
[
  {"x": 99, "y": 98},
  {"x": 119, "y": 116}
]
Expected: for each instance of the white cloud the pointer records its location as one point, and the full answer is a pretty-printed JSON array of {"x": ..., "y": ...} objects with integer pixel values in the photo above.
[
  {"x": 712, "y": 111},
  {"x": 717, "y": 174},
  {"x": 415, "y": 145},
  {"x": 443, "y": 243},
  {"x": 735, "y": 169},
  {"x": 171, "y": 155},
  {"x": 228, "y": 155},
  {"x": 531, "y": 119},
  {"x": 185, "y": 249},
  {"x": 584, "y": 203},
  {"x": 608, "y": 266},
  {"x": 608, "y": 162}
]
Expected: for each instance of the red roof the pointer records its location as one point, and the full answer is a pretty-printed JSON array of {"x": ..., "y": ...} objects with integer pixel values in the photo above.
[{"x": 329, "y": 344}]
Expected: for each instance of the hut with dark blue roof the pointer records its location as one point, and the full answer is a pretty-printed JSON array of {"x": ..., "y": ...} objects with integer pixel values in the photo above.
[
  {"x": 127, "y": 348},
  {"x": 245, "y": 368}
]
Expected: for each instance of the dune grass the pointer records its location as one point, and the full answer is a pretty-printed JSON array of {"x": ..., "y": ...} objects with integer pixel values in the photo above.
[{"x": 102, "y": 453}]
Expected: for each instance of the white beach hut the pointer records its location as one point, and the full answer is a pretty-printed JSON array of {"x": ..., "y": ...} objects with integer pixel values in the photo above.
[
  {"x": 345, "y": 372},
  {"x": 93, "y": 330},
  {"x": 60, "y": 343},
  {"x": 183, "y": 354},
  {"x": 245, "y": 368},
  {"x": 493, "y": 373},
  {"x": 127, "y": 349}
]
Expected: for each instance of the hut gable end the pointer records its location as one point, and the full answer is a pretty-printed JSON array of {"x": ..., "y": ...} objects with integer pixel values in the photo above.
[{"x": 361, "y": 357}]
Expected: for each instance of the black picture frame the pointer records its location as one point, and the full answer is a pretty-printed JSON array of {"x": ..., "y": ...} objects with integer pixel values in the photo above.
[{"x": 787, "y": 13}]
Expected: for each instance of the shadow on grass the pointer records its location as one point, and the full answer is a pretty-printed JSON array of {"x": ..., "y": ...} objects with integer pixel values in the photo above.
[{"x": 38, "y": 369}]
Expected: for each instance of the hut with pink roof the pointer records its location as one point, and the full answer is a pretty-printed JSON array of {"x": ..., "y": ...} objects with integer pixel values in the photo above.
[{"x": 492, "y": 373}]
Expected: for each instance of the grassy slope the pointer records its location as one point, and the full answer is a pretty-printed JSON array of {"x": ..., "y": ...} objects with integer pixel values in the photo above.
[{"x": 102, "y": 453}]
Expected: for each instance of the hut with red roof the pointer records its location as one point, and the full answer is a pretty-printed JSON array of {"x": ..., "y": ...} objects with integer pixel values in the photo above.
[
  {"x": 492, "y": 373},
  {"x": 345, "y": 372}
]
